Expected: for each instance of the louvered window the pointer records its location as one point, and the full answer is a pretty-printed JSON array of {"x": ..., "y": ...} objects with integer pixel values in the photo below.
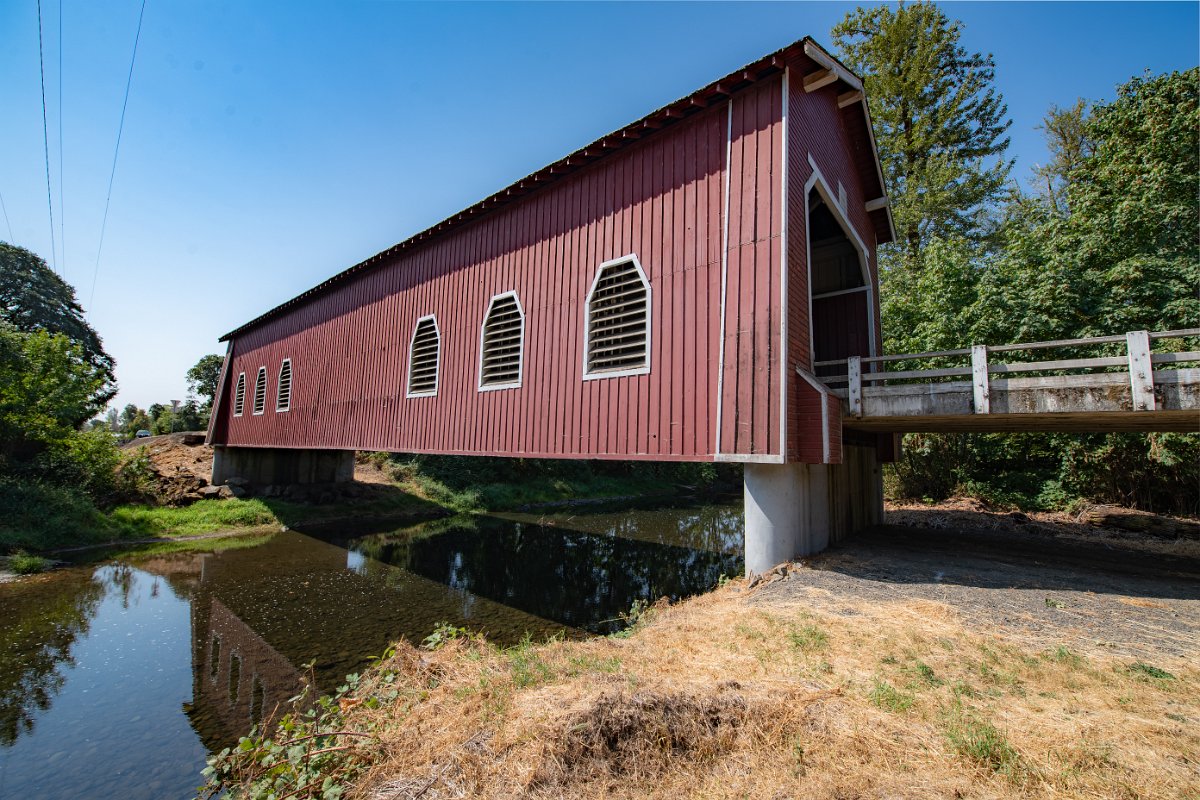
[
  {"x": 618, "y": 321},
  {"x": 239, "y": 395},
  {"x": 501, "y": 341},
  {"x": 260, "y": 391},
  {"x": 423, "y": 355},
  {"x": 283, "y": 397}
]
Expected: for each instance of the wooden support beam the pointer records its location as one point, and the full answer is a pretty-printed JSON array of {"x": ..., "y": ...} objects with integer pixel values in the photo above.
[
  {"x": 849, "y": 98},
  {"x": 819, "y": 79},
  {"x": 1141, "y": 370},
  {"x": 814, "y": 51},
  {"x": 854, "y": 384},
  {"x": 877, "y": 204},
  {"x": 979, "y": 379}
]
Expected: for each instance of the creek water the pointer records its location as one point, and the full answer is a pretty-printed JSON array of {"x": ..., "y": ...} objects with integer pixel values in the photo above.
[{"x": 119, "y": 677}]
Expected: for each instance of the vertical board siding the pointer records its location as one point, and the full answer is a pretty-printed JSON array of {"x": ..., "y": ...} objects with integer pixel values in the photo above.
[
  {"x": 662, "y": 200},
  {"x": 750, "y": 380},
  {"x": 818, "y": 128}
]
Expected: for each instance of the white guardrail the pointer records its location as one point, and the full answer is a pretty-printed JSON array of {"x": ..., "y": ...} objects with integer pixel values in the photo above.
[{"x": 1139, "y": 362}]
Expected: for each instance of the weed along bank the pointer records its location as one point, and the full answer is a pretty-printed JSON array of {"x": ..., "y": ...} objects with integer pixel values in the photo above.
[{"x": 661, "y": 294}]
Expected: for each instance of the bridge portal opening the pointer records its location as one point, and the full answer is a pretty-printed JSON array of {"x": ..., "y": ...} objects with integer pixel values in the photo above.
[{"x": 840, "y": 298}]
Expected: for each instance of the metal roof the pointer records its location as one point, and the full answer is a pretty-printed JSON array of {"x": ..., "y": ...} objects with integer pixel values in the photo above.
[{"x": 669, "y": 114}]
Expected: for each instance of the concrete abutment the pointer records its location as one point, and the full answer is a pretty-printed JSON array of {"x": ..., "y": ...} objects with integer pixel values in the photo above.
[
  {"x": 799, "y": 509},
  {"x": 278, "y": 466}
]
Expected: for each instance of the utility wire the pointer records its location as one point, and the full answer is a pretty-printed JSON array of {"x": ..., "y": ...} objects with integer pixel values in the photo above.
[
  {"x": 62, "y": 208},
  {"x": 116, "y": 152},
  {"x": 6, "y": 222},
  {"x": 46, "y": 140}
]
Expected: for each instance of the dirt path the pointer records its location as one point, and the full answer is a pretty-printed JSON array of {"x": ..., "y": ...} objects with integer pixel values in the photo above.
[{"x": 1123, "y": 595}]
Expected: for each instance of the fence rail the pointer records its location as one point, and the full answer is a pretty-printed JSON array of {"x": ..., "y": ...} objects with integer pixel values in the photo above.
[{"x": 1139, "y": 363}]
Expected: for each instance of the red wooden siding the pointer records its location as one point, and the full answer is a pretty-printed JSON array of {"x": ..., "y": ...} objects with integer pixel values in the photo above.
[
  {"x": 753, "y": 296},
  {"x": 661, "y": 200},
  {"x": 702, "y": 203}
]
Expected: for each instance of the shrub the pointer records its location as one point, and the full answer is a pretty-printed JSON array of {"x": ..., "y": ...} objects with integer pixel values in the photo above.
[
  {"x": 23, "y": 563},
  {"x": 39, "y": 516}
]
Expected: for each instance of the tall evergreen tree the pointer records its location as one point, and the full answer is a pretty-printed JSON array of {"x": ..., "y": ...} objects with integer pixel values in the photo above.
[
  {"x": 940, "y": 122},
  {"x": 1070, "y": 144}
]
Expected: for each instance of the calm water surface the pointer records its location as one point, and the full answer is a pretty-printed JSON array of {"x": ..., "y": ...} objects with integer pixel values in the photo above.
[{"x": 117, "y": 680}]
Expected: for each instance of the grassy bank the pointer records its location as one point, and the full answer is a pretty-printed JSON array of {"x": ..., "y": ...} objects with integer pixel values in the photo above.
[
  {"x": 41, "y": 518},
  {"x": 722, "y": 697},
  {"x": 472, "y": 484}
]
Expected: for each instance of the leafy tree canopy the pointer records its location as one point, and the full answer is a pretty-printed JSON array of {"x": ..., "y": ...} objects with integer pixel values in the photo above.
[
  {"x": 939, "y": 121},
  {"x": 202, "y": 378},
  {"x": 47, "y": 385},
  {"x": 34, "y": 298}
]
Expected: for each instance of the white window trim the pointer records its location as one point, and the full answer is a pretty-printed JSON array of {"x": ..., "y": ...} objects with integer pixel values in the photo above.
[
  {"x": 291, "y": 382},
  {"x": 587, "y": 321},
  {"x": 437, "y": 373},
  {"x": 492, "y": 387},
  {"x": 254, "y": 399},
  {"x": 817, "y": 181},
  {"x": 241, "y": 380}
]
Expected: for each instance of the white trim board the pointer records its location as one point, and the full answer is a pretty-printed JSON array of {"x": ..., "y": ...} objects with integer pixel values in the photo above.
[{"x": 818, "y": 181}]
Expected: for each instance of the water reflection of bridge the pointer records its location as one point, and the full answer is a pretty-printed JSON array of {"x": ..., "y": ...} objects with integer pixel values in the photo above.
[{"x": 260, "y": 615}]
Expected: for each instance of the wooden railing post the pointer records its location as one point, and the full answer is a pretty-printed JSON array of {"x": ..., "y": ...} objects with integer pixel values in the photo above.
[
  {"x": 1141, "y": 370},
  {"x": 854, "y": 382},
  {"x": 979, "y": 378}
]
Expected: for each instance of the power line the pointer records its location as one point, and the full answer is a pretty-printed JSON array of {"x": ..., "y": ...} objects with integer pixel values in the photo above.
[
  {"x": 46, "y": 141},
  {"x": 62, "y": 208},
  {"x": 6, "y": 222},
  {"x": 116, "y": 152}
]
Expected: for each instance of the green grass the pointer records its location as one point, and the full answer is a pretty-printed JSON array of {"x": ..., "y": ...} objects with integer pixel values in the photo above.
[
  {"x": 206, "y": 516},
  {"x": 808, "y": 638},
  {"x": 471, "y": 484},
  {"x": 983, "y": 744},
  {"x": 1141, "y": 669},
  {"x": 889, "y": 698}
]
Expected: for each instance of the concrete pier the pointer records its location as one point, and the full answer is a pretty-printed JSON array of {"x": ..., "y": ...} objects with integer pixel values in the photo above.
[
  {"x": 277, "y": 466},
  {"x": 796, "y": 510}
]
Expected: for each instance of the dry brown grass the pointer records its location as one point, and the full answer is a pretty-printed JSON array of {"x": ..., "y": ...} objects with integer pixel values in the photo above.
[{"x": 719, "y": 698}]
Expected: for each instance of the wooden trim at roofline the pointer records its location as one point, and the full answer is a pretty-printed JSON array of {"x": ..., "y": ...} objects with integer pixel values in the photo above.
[
  {"x": 219, "y": 397},
  {"x": 712, "y": 95}
]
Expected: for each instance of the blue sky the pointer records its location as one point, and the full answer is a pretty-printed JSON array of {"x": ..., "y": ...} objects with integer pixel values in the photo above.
[{"x": 270, "y": 145}]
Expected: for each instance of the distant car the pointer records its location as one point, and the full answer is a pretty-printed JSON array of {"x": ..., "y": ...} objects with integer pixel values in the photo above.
[{"x": 143, "y": 434}]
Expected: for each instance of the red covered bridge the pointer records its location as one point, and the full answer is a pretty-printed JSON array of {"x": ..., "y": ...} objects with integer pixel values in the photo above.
[{"x": 661, "y": 294}]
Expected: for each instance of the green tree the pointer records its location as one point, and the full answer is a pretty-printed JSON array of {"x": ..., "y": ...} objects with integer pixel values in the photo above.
[
  {"x": 34, "y": 298},
  {"x": 47, "y": 385},
  {"x": 134, "y": 419},
  {"x": 203, "y": 377},
  {"x": 1069, "y": 143},
  {"x": 191, "y": 417},
  {"x": 939, "y": 121}
]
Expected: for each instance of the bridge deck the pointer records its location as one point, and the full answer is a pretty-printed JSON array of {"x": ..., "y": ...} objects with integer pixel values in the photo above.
[{"x": 1138, "y": 398}]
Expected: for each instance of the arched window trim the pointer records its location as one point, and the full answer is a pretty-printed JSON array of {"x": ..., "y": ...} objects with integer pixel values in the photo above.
[
  {"x": 284, "y": 403},
  {"x": 239, "y": 395},
  {"x": 491, "y": 387},
  {"x": 437, "y": 372},
  {"x": 587, "y": 320},
  {"x": 260, "y": 380}
]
